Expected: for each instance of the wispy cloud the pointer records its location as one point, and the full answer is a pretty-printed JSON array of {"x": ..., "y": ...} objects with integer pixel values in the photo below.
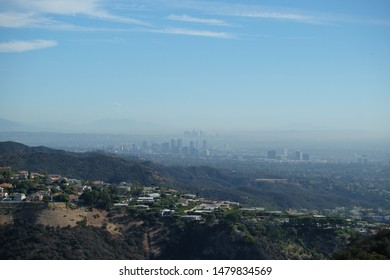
[
  {"x": 277, "y": 13},
  {"x": 64, "y": 7},
  {"x": 186, "y": 18},
  {"x": 254, "y": 11},
  {"x": 63, "y": 15},
  {"x": 32, "y": 20},
  {"x": 192, "y": 32},
  {"x": 28, "y": 20},
  {"x": 90, "y": 8},
  {"x": 42, "y": 14},
  {"x": 23, "y": 46}
]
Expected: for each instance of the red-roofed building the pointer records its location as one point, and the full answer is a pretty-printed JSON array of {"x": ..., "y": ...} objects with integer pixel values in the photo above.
[
  {"x": 74, "y": 198},
  {"x": 6, "y": 185},
  {"x": 3, "y": 168}
]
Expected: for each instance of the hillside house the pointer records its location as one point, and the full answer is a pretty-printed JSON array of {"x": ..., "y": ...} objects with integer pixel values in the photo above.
[
  {"x": 122, "y": 190},
  {"x": 3, "y": 194},
  {"x": 6, "y": 185},
  {"x": 54, "y": 188},
  {"x": 192, "y": 217},
  {"x": 97, "y": 184},
  {"x": 82, "y": 189},
  {"x": 54, "y": 179},
  {"x": 205, "y": 208},
  {"x": 75, "y": 182},
  {"x": 167, "y": 212},
  {"x": 145, "y": 199},
  {"x": 149, "y": 189},
  {"x": 22, "y": 175},
  {"x": 36, "y": 197},
  {"x": 189, "y": 196},
  {"x": 141, "y": 207},
  {"x": 183, "y": 202},
  {"x": 121, "y": 205},
  {"x": 74, "y": 198},
  {"x": 169, "y": 191},
  {"x": 18, "y": 197},
  {"x": 155, "y": 195}
]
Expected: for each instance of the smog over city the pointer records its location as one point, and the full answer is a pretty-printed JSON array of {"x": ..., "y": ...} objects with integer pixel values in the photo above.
[{"x": 262, "y": 127}]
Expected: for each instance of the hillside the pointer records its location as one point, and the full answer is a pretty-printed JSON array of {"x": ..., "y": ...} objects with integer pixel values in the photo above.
[
  {"x": 57, "y": 232},
  {"x": 12, "y": 148},
  {"x": 99, "y": 222},
  {"x": 375, "y": 247},
  {"x": 87, "y": 166},
  {"x": 210, "y": 182}
]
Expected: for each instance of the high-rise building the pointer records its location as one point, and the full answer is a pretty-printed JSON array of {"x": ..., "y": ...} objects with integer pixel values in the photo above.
[
  {"x": 306, "y": 157},
  {"x": 271, "y": 155},
  {"x": 364, "y": 160},
  {"x": 179, "y": 143},
  {"x": 285, "y": 153},
  {"x": 173, "y": 145},
  {"x": 165, "y": 147},
  {"x": 204, "y": 145},
  {"x": 298, "y": 155}
]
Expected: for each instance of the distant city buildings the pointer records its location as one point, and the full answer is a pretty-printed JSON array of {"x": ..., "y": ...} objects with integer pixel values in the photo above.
[
  {"x": 285, "y": 153},
  {"x": 187, "y": 146},
  {"x": 204, "y": 145},
  {"x": 363, "y": 160},
  {"x": 191, "y": 146},
  {"x": 271, "y": 155},
  {"x": 298, "y": 155},
  {"x": 306, "y": 157}
]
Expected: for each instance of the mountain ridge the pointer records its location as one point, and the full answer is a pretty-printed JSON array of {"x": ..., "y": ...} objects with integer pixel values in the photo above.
[
  {"x": 208, "y": 182},
  {"x": 105, "y": 126},
  {"x": 88, "y": 166}
]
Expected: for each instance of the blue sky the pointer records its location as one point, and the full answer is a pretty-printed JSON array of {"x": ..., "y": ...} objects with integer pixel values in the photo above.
[{"x": 213, "y": 65}]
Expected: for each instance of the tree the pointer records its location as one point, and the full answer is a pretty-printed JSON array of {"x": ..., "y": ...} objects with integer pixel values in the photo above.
[
  {"x": 136, "y": 190},
  {"x": 232, "y": 217},
  {"x": 63, "y": 197},
  {"x": 90, "y": 197}
]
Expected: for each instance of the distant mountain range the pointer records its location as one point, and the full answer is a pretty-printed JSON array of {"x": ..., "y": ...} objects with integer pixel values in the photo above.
[
  {"x": 209, "y": 182},
  {"x": 6, "y": 125},
  {"x": 117, "y": 126}
]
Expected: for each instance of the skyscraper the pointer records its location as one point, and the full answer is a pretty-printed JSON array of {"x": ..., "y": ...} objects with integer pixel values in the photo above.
[
  {"x": 306, "y": 157},
  {"x": 179, "y": 145},
  {"x": 271, "y": 155},
  {"x": 285, "y": 153},
  {"x": 204, "y": 145},
  {"x": 173, "y": 145},
  {"x": 298, "y": 155}
]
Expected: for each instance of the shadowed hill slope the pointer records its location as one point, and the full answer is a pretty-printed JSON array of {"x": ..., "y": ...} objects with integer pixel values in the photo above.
[{"x": 209, "y": 182}]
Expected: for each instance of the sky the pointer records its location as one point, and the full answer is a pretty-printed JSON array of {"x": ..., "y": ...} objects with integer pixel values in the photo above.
[{"x": 211, "y": 65}]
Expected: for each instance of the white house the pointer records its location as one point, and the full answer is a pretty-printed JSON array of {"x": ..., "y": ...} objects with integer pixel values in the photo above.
[
  {"x": 18, "y": 196},
  {"x": 192, "y": 217},
  {"x": 141, "y": 207},
  {"x": 3, "y": 194},
  {"x": 145, "y": 199}
]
